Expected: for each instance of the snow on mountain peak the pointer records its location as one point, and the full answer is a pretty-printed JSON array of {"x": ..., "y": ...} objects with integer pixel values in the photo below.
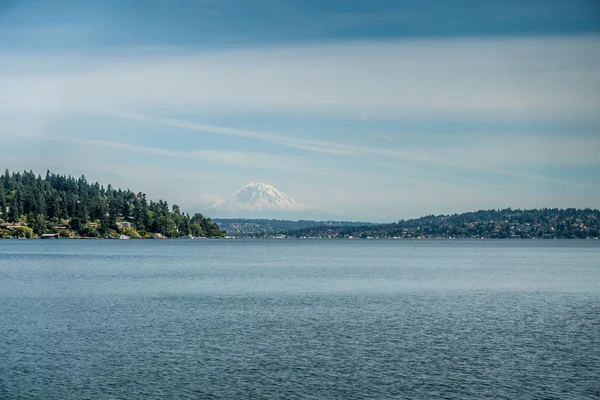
[{"x": 258, "y": 197}]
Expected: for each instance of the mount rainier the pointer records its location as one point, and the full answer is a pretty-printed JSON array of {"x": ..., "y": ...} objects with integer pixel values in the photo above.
[{"x": 260, "y": 200}]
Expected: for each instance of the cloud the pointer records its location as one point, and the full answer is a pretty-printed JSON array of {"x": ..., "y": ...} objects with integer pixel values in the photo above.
[
  {"x": 530, "y": 150},
  {"x": 303, "y": 144},
  {"x": 238, "y": 158},
  {"x": 389, "y": 203},
  {"x": 504, "y": 77},
  {"x": 536, "y": 79},
  {"x": 387, "y": 138},
  {"x": 501, "y": 154},
  {"x": 215, "y": 158},
  {"x": 481, "y": 152}
]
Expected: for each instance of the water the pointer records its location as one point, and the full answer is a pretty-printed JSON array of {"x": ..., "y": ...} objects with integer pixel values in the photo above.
[{"x": 314, "y": 319}]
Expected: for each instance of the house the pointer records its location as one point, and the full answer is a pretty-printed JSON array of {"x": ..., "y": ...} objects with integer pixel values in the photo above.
[
  {"x": 124, "y": 225},
  {"x": 11, "y": 225}
]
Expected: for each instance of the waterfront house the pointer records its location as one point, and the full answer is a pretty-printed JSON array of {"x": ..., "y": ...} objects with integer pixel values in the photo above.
[{"x": 124, "y": 225}]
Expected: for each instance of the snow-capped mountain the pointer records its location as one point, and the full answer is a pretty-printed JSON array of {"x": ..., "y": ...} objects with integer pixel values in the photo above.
[{"x": 258, "y": 198}]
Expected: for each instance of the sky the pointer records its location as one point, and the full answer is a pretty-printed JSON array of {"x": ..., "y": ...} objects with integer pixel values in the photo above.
[{"x": 376, "y": 110}]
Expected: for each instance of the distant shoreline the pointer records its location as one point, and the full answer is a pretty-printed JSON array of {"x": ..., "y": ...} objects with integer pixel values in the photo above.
[
  {"x": 312, "y": 239},
  {"x": 570, "y": 223}
]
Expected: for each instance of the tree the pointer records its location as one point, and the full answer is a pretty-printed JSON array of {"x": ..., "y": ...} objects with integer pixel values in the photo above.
[
  {"x": 63, "y": 213},
  {"x": 75, "y": 224},
  {"x": 14, "y": 211},
  {"x": 23, "y": 232},
  {"x": 53, "y": 206},
  {"x": 132, "y": 233},
  {"x": 40, "y": 224},
  {"x": 3, "y": 203},
  {"x": 89, "y": 231},
  {"x": 76, "y": 201}
]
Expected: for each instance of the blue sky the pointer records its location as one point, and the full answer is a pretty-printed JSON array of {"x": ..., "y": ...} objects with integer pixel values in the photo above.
[{"x": 377, "y": 110}]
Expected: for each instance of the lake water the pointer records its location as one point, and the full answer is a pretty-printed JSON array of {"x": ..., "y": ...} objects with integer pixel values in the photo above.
[{"x": 314, "y": 319}]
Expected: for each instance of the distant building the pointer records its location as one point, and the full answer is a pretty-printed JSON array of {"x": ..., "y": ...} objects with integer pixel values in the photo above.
[{"x": 12, "y": 225}]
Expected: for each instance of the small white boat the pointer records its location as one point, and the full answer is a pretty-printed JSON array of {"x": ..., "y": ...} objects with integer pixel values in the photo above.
[{"x": 123, "y": 237}]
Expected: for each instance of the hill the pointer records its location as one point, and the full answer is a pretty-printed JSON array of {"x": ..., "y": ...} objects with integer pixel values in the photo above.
[
  {"x": 31, "y": 206},
  {"x": 243, "y": 227},
  {"x": 543, "y": 223}
]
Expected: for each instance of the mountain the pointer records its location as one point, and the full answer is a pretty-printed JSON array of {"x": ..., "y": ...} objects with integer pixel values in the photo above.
[{"x": 260, "y": 200}]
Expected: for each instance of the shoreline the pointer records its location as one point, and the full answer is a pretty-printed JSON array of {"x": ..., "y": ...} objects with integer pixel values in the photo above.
[{"x": 310, "y": 238}]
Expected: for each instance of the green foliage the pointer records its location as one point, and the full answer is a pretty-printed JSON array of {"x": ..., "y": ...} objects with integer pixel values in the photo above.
[
  {"x": 259, "y": 227},
  {"x": 37, "y": 222},
  {"x": 89, "y": 231},
  {"x": 14, "y": 210},
  {"x": 23, "y": 232},
  {"x": 75, "y": 224},
  {"x": 554, "y": 223},
  {"x": 132, "y": 233},
  {"x": 3, "y": 203},
  {"x": 42, "y": 202}
]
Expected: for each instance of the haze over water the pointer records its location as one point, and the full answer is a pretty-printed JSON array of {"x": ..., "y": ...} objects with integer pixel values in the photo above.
[{"x": 315, "y": 319}]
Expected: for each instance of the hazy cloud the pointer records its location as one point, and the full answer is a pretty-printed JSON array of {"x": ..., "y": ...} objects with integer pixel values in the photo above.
[
  {"x": 534, "y": 76},
  {"x": 533, "y": 79}
]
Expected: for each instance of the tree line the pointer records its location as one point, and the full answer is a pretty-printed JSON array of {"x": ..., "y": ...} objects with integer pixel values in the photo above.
[
  {"x": 256, "y": 227},
  {"x": 570, "y": 223},
  {"x": 68, "y": 205}
]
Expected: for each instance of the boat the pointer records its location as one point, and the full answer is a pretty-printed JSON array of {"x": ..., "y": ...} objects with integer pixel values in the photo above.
[{"x": 123, "y": 237}]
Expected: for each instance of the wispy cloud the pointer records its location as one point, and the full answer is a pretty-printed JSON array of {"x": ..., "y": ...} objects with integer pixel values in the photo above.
[
  {"x": 496, "y": 154},
  {"x": 244, "y": 159},
  {"x": 387, "y": 138},
  {"x": 535, "y": 76},
  {"x": 489, "y": 152},
  {"x": 543, "y": 79},
  {"x": 239, "y": 158},
  {"x": 303, "y": 144}
]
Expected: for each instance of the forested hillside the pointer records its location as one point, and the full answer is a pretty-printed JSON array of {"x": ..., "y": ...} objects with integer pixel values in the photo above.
[
  {"x": 554, "y": 223},
  {"x": 32, "y": 205},
  {"x": 243, "y": 227}
]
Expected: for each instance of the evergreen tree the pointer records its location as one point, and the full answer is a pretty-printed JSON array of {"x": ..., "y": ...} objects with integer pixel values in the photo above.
[
  {"x": 3, "y": 203},
  {"x": 82, "y": 204}
]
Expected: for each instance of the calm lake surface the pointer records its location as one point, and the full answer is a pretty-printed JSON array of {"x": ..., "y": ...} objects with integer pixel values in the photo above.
[{"x": 315, "y": 319}]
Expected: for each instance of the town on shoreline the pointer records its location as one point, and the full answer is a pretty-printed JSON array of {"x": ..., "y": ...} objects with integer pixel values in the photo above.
[
  {"x": 59, "y": 206},
  {"x": 543, "y": 223}
]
